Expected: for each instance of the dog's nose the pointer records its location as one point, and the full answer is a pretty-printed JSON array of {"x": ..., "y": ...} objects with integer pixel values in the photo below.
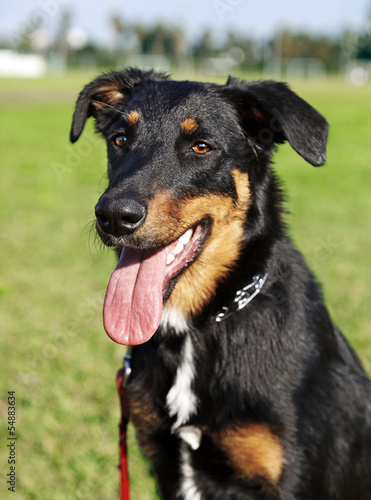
[{"x": 121, "y": 216}]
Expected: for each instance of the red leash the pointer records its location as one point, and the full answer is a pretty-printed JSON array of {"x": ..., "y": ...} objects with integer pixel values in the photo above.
[{"x": 122, "y": 375}]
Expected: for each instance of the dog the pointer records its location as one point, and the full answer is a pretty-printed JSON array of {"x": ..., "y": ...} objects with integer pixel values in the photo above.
[{"x": 241, "y": 386}]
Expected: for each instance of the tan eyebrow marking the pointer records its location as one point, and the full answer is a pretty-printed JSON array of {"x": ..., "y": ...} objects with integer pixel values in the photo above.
[
  {"x": 133, "y": 117},
  {"x": 189, "y": 125}
]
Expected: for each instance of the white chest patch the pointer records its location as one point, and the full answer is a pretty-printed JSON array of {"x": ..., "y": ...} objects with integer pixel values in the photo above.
[
  {"x": 181, "y": 401},
  {"x": 188, "y": 488},
  {"x": 191, "y": 435},
  {"x": 171, "y": 318}
]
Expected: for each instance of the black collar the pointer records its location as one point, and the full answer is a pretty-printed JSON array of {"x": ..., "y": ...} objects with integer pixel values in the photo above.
[{"x": 242, "y": 297}]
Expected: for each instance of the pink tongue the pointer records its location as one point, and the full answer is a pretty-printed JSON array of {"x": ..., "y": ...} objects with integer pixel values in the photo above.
[{"x": 133, "y": 304}]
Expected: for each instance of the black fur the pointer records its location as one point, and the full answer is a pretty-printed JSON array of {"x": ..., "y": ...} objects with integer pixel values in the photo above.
[{"x": 280, "y": 362}]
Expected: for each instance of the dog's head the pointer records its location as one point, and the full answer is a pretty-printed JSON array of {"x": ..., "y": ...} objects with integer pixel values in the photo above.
[{"x": 184, "y": 163}]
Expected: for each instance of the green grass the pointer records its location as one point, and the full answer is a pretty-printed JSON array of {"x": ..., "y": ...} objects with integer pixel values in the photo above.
[{"x": 54, "y": 352}]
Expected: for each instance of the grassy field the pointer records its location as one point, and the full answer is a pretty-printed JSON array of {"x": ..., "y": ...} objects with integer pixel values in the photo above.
[{"x": 54, "y": 352}]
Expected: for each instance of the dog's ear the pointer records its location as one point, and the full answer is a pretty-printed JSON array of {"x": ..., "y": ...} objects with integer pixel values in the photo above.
[
  {"x": 273, "y": 113},
  {"x": 106, "y": 96}
]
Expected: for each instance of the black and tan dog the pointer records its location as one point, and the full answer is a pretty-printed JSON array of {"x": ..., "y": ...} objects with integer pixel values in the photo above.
[{"x": 241, "y": 387}]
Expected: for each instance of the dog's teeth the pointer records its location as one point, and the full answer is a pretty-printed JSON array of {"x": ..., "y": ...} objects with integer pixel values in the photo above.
[
  {"x": 170, "y": 259},
  {"x": 186, "y": 238},
  {"x": 179, "y": 247}
]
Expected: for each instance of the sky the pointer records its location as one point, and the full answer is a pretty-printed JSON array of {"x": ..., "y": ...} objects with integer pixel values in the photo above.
[{"x": 257, "y": 18}]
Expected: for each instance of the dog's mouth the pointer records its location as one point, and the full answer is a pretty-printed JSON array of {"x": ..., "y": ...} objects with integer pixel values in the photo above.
[{"x": 143, "y": 280}]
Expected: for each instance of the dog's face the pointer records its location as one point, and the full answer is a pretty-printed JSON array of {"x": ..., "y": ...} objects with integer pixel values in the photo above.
[{"x": 184, "y": 160}]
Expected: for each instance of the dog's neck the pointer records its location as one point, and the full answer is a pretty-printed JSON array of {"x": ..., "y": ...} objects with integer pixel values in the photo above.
[{"x": 243, "y": 297}]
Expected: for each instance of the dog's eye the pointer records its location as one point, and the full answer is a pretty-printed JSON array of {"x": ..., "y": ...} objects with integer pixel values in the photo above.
[
  {"x": 201, "y": 148},
  {"x": 120, "y": 140}
]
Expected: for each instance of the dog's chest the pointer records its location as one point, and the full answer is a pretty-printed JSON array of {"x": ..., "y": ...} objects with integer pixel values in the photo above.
[{"x": 181, "y": 400}]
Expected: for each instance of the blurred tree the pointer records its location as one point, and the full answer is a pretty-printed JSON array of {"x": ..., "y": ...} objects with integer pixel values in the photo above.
[
  {"x": 117, "y": 25},
  {"x": 160, "y": 40},
  {"x": 305, "y": 45},
  {"x": 118, "y": 29},
  {"x": 22, "y": 40},
  {"x": 205, "y": 46},
  {"x": 245, "y": 45},
  {"x": 140, "y": 33},
  {"x": 170, "y": 41},
  {"x": 364, "y": 45}
]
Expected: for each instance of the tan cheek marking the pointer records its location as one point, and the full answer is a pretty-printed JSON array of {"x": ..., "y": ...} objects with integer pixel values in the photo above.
[
  {"x": 168, "y": 218},
  {"x": 133, "y": 117},
  {"x": 189, "y": 126},
  {"x": 253, "y": 451},
  {"x": 162, "y": 223},
  {"x": 242, "y": 184},
  {"x": 198, "y": 284}
]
